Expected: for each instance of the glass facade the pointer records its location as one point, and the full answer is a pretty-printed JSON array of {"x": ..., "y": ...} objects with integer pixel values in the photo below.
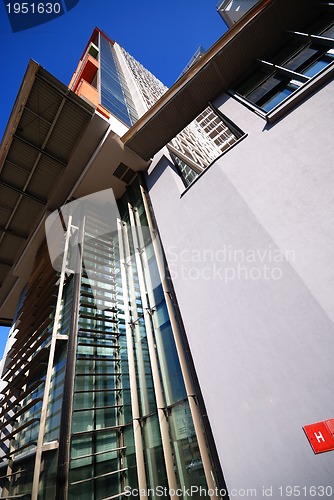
[
  {"x": 129, "y": 420},
  {"x": 115, "y": 95}
]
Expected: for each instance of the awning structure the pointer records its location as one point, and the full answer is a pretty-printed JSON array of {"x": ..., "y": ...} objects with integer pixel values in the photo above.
[
  {"x": 56, "y": 146},
  {"x": 216, "y": 71},
  {"x": 45, "y": 126}
]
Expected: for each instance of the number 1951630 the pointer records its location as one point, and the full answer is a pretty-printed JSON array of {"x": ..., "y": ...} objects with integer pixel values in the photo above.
[{"x": 33, "y": 8}]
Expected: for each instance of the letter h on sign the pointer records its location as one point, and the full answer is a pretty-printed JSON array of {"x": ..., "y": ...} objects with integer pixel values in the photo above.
[{"x": 321, "y": 435}]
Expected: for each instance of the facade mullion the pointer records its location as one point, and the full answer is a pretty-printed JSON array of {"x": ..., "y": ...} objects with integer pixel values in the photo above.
[
  {"x": 38, "y": 457},
  {"x": 191, "y": 395},
  {"x": 137, "y": 429}
]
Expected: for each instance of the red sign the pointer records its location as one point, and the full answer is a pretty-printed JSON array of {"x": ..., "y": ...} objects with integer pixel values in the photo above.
[{"x": 321, "y": 435}]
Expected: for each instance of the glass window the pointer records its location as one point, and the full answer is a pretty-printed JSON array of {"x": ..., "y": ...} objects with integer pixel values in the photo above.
[
  {"x": 279, "y": 95},
  {"x": 202, "y": 142},
  {"x": 187, "y": 174},
  {"x": 319, "y": 64},
  {"x": 268, "y": 86},
  {"x": 97, "y": 464},
  {"x": 115, "y": 95},
  {"x": 47, "y": 485},
  {"x": 187, "y": 456},
  {"x": 22, "y": 476},
  {"x": 156, "y": 469}
]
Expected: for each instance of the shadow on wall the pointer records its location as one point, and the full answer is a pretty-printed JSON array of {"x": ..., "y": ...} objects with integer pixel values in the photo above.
[{"x": 154, "y": 173}]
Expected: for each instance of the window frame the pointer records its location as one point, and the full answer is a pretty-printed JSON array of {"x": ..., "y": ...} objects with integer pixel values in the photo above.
[
  {"x": 301, "y": 83},
  {"x": 237, "y": 131}
]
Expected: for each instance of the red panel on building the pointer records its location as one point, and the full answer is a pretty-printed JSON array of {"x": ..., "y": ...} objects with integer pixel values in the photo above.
[
  {"x": 321, "y": 435},
  {"x": 330, "y": 425}
]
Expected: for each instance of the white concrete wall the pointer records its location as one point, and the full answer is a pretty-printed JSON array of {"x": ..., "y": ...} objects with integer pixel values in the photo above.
[{"x": 261, "y": 337}]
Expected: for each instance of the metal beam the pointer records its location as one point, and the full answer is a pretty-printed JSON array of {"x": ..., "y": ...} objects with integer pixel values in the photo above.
[
  {"x": 12, "y": 232},
  {"x": 65, "y": 92},
  {"x": 285, "y": 71},
  {"x": 15, "y": 165},
  {"x": 37, "y": 116},
  {"x": 34, "y": 167},
  {"x": 6, "y": 263},
  {"x": 40, "y": 150},
  {"x": 5, "y": 322},
  {"x": 23, "y": 193}
]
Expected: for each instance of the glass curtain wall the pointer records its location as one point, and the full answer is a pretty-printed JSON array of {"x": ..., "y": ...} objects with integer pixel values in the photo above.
[
  {"x": 115, "y": 95},
  {"x": 122, "y": 287},
  {"x": 25, "y": 374},
  {"x": 129, "y": 422},
  {"x": 143, "y": 277}
]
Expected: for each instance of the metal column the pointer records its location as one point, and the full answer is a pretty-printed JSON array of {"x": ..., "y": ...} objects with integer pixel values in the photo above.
[
  {"x": 194, "y": 408},
  {"x": 162, "y": 414},
  {"x": 142, "y": 483},
  {"x": 64, "y": 449},
  {"x": 39, "y": 448}
]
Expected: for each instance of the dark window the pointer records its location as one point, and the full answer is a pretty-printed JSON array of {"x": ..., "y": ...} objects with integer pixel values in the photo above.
[
  {"x": 300, "y": 58},
  {"x": 187, "y": 174}
]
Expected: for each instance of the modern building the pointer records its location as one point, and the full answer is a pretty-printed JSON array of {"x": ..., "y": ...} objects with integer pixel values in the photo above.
[
  {"x": 166, "y": 263},
  {"x": 233, "y": 10}
]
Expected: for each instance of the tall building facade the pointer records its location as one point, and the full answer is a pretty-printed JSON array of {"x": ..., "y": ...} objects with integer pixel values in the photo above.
[
  {"x": 171, "y": 288},
  {"x": 101, "y": 362},
  {"x": 104, "y": 366},
  {"x": 109, "y": 77}
]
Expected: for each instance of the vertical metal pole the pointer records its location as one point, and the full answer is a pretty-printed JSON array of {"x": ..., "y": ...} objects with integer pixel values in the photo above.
[
  {"x": 194, "y": 408},
  {"x": 162, "y": 416},
  {"x": 64, "y": 448},
  {"x": 142, "y": 483},
  {"x": 10, "y": 466},
  {"x": 6, "y": 486},
  {"x": 47, "y": 386},
  {"x": 136, "y": 331}
]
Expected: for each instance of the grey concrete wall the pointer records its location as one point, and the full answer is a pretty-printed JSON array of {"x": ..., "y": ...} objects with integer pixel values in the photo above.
[{"x": 250, "y": 248}]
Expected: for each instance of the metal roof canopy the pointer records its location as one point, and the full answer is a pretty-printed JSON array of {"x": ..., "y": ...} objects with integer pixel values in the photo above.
[
  {"x": 46, "y": 124},
  {"x": 257, "y": 32}
]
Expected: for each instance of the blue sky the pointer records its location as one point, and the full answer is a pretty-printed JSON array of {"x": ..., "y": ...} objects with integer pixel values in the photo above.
[{"x": 163, "y": 36}]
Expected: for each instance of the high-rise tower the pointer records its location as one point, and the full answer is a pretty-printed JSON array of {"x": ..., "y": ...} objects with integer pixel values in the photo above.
[{"x": 109, "y": 77}]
